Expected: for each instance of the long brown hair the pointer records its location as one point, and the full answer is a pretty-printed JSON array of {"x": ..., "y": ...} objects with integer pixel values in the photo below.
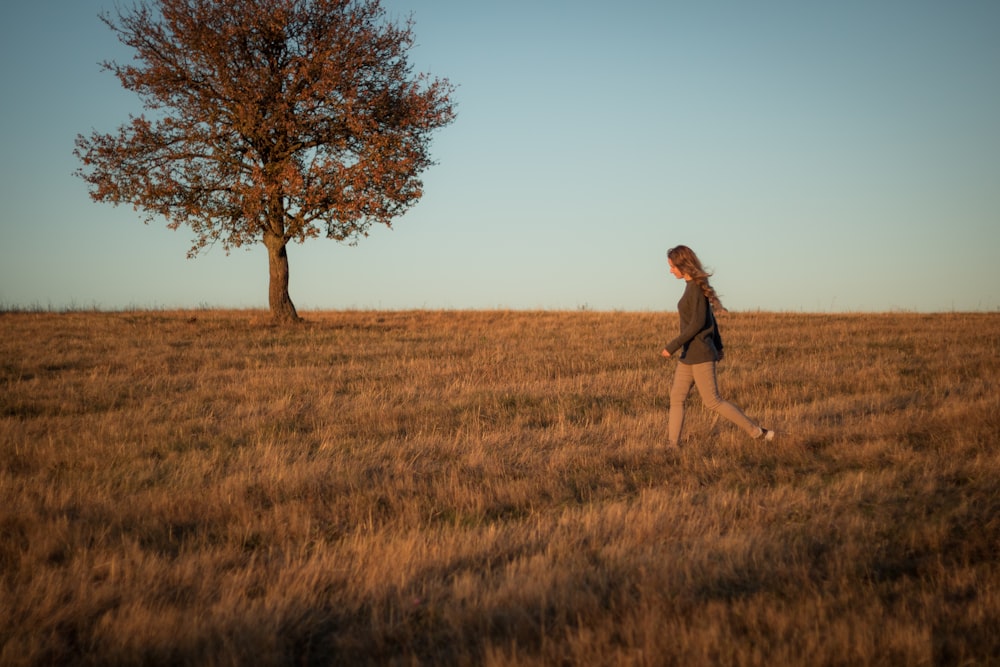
[{"x": 688, "y": 263}]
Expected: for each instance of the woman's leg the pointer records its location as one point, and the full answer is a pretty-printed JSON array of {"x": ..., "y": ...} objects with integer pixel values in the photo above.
[
  {"x": 704, "y": 378},
  {"x": 683, "y": 379}
]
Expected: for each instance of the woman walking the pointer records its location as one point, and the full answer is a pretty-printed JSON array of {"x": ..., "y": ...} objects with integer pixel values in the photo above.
[{"x": 700, "y": 348}]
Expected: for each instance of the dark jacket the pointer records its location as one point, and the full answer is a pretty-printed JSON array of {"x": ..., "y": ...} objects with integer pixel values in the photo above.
[{"x": 699, "y": 339}]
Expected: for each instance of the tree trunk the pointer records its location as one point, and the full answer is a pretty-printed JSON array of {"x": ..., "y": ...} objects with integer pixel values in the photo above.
[{"x": 282, "y": 309}]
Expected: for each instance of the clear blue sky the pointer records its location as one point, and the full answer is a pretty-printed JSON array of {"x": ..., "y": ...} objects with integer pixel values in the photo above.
[{"x": 819, "y": 156}]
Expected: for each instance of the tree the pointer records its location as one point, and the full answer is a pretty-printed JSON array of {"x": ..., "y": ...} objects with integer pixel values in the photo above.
[{"x": 273, "y": 121}]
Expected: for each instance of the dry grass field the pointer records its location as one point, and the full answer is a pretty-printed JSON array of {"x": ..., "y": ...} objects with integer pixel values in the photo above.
[{"x": 491, "y": 488}]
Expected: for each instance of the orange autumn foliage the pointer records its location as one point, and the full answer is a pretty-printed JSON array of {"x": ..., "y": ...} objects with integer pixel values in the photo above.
[{"x": 269, "y": 122}]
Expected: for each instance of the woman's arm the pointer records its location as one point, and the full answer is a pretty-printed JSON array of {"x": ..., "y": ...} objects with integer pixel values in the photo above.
[{"x": 693, "y": 310}]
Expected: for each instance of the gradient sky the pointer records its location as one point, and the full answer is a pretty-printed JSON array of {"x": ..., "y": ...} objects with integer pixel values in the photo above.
[{"x": 819, "y": 156}]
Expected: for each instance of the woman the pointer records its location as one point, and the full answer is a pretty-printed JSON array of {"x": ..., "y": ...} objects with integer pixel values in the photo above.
[{"x": 700, "y": 348}]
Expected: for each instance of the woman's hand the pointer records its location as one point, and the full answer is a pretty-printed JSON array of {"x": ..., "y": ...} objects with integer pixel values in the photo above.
[{"x": 665, "y": 353}]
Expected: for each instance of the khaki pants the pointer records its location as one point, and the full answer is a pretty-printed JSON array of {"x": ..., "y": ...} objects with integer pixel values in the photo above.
[{"x": 703, "y": 376}]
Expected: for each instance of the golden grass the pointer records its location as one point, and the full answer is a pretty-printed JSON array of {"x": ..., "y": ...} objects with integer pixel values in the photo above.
[{"x": 490, "y": 488}]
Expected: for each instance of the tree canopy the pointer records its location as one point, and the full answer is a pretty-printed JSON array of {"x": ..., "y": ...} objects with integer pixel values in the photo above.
[{"x": 268, "y": 121}]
